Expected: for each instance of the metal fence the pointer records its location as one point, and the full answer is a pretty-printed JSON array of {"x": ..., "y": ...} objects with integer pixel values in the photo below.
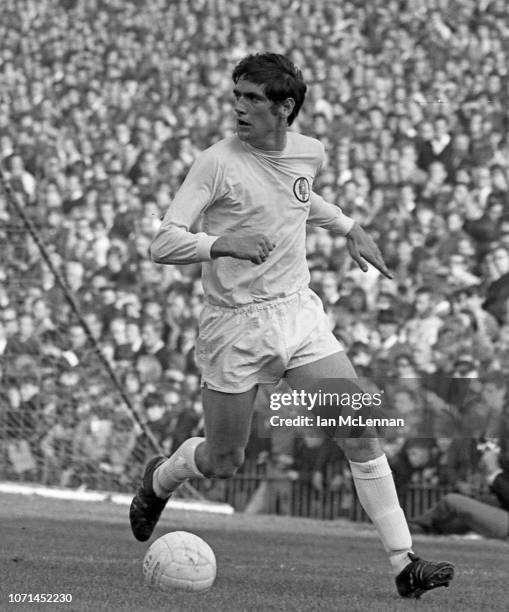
[{"x": 255, "y": 490}]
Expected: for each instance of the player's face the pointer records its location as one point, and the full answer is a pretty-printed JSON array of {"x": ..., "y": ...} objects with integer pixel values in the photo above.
[{"x": 258, "y": 120}]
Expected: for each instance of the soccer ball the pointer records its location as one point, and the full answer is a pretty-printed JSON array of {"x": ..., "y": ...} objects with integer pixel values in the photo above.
[{"x": 179, "y": 560}]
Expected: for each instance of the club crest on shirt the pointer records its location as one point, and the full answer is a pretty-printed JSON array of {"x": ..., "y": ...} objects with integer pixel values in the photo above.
[{"x": 301, "y": 189}]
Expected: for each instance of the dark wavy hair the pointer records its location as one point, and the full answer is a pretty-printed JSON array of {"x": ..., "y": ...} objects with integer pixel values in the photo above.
[{"x": 278, "y": 76}]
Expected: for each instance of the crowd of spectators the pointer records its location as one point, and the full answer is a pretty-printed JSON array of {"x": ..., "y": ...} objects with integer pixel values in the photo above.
[{"x": 104, "y": 105}]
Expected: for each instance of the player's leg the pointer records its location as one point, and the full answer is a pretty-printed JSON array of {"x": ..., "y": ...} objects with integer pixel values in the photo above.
[
  {"x": 227, "y": 424},
  {"x": 469, "y": 513},
  {"x": 372, "y": 478},
  {"x": 218, "y": 455},
  {"x": 370, "y": 470}
]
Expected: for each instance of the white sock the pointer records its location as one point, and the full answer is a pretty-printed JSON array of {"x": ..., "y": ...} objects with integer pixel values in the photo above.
[
  {"x": 377, "y": 494},
  {"x": 177, "y": 468}
]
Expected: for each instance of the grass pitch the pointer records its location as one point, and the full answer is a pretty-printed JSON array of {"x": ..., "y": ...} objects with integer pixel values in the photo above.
[{"x": 264, "y": 563}]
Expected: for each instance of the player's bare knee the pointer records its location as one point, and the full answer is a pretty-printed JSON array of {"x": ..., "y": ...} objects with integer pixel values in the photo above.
[
  {"x": 226, "y": 465},
  {"x": 361, "y": 449},
  {"x": 224, "y": 470}
]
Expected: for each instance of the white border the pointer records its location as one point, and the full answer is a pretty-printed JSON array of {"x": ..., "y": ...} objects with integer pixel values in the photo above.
[{"x": 116, "y": 498}]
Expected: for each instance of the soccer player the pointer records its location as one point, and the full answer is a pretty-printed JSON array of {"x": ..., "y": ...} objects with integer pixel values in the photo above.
[{"x": 261, "y": 322}]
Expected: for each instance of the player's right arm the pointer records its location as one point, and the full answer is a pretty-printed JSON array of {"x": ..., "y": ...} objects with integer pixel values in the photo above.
[
  {"x": 255, "y": 248},
  {"x": 174, "y": 243}
]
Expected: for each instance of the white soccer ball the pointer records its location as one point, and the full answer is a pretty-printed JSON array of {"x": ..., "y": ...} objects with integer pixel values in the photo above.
[{"x": 179, "y": 560}]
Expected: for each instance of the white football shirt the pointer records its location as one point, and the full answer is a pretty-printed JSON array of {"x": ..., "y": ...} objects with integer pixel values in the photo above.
[{"x": 237, "y": 188}]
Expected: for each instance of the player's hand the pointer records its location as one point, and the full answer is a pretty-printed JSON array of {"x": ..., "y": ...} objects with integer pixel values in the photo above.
[
  {"x": 255, "y": 248},
  {"x": 362, "y": 249}
]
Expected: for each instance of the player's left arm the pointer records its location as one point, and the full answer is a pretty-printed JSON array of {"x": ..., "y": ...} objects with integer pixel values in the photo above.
[{"x": 361, "y": 246}]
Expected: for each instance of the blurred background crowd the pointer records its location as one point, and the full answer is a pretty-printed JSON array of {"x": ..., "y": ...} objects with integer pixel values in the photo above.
[{"x": 104, "y": 105}]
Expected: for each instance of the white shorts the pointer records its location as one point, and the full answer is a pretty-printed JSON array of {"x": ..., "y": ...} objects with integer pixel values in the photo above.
[{"x": 238, "y": 348}]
